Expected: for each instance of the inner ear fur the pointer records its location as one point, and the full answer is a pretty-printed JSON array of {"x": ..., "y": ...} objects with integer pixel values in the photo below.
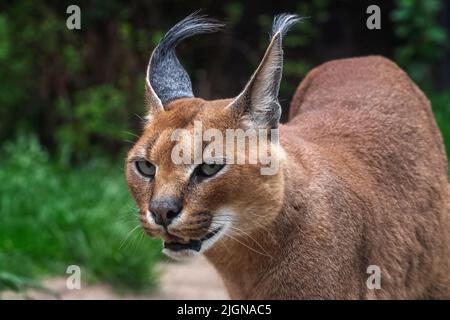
[{"x": 257, "y": 105}]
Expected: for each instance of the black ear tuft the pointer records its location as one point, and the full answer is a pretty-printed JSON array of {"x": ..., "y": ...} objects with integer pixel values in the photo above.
[
  {"x": 258, "y": 104},
  {"x": 166, "y": 76}
]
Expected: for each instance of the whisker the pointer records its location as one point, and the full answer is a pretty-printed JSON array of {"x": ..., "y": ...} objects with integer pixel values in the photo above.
[
  {"x": 240, "y": 232},
  {"x": 140, "y": 118},
  {"x": 130, "y": 133},
  {"x": 127, "y": 237},
  {"x": 247, "y": 235},
  {"x": 254, "y": 250}
]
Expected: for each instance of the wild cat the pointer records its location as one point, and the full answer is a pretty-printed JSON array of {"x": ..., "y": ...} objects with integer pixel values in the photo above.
[{"x": 361, "y": 181}]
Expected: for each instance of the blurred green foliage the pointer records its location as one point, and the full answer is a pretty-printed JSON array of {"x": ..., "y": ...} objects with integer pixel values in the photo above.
[
  {"x": 424, "y": 40},
  {"x": 423, "y": 43},
  {"x": 56, "y": 84},
  {"x": 440, "y": 101},
  {"x": 91, "y": 112},
  {"x": 53, "y": 216}
]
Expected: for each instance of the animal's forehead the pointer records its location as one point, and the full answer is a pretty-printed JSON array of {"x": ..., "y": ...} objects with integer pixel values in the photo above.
[
  {"x": 157, "y": 141},
  {"x": 187, "y": 119}
]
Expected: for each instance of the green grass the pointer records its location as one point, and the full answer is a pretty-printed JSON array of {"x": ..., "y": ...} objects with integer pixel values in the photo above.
[{"x": 53, "y": 216}]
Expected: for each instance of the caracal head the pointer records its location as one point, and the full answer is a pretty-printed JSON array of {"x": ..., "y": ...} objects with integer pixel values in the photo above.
[{"x": 205, "y": 172}]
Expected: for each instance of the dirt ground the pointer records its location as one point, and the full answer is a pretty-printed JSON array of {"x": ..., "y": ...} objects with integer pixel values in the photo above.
[{"x": 195, "y": 279}]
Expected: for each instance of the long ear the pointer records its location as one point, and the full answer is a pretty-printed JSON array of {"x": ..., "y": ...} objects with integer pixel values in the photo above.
[
  {"x": 166, "y": 78},
  {"x": 258, "y": 103}
]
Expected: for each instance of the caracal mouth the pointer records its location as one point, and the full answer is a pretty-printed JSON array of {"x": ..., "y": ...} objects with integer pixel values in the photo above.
[{"x": 185, "y": 250}]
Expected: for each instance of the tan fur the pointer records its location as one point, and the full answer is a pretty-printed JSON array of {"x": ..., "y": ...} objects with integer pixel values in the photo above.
[{"x": 363, "y": 182}]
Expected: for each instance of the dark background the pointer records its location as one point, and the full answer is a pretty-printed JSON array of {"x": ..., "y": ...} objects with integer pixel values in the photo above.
[{"x": 79, "y": 90}]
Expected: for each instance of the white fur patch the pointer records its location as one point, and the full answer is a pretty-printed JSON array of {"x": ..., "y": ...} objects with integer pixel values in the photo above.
[{"x": 224, "y": 223}]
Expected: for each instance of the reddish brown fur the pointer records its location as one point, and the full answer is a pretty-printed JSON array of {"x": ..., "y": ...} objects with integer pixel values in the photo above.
[
  {"x": 364, "y": 182},
  {"x": 230, "y": 190}
]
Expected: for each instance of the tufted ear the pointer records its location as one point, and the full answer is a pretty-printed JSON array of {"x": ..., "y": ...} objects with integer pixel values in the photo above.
[
  {"x": 257, "y": 104},
  {"x": 166, "y": 78}
]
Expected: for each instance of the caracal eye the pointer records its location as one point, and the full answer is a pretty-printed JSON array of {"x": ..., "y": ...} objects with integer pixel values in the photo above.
[
  {"x": 209, "y": 170},
  {"x": 145, "y": 168}
]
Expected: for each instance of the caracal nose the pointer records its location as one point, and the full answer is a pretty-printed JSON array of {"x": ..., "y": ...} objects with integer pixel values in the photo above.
[{"x": 165, "y": 210}]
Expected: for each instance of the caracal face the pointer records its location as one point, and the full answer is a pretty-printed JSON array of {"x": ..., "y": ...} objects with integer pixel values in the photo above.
[{"x": 204, "y": 202}]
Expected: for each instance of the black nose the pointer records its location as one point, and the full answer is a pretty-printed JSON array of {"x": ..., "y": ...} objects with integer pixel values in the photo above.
[{"x": 165, "y": 210}]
